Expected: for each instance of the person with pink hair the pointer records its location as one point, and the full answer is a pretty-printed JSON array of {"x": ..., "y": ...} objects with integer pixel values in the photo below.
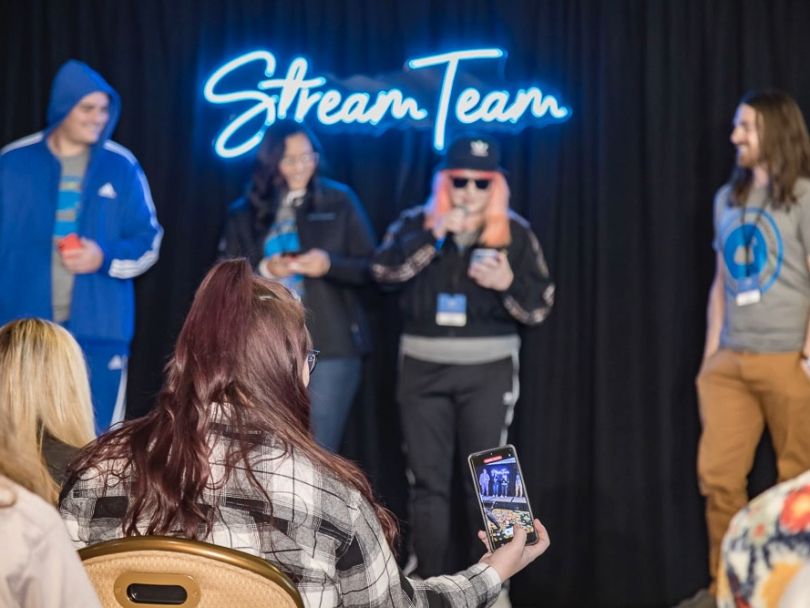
[{"x": 470, "y": 272}]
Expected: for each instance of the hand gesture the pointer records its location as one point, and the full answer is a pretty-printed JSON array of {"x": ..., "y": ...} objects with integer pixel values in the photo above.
[
  {"x": 511, "y": 558},
  {"x": 492, "y": 272},
  {"x": 452, "y": 221},
  {"x": 805, "y": 365},
  {"x": 276, "y": 266},
  {"x": 314, "y": 263},
  {"x": 83, "y": 260}
]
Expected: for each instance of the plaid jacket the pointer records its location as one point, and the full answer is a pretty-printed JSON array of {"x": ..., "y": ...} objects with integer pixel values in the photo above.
[{"x": 320, "y": 532}]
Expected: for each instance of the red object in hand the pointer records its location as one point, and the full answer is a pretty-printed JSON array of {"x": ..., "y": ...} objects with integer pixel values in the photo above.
[{"x": 69, "y": 242}]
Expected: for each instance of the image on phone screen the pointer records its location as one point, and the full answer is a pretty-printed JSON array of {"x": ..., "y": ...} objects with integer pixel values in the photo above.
[{"x": 502, "y": 498}]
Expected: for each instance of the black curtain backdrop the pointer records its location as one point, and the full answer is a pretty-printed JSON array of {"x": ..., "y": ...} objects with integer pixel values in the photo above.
[{"x": 620, "y": 197}]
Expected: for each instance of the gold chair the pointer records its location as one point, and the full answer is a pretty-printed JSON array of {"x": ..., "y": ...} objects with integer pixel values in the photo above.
[{"x": 157, "y": 571}]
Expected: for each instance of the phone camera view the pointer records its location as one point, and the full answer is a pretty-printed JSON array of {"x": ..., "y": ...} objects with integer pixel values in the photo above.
[{"x": 502, "y": 497}]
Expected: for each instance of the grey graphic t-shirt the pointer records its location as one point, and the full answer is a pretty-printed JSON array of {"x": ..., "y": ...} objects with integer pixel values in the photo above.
[
  {"x": 66, "y": 222},
  {"x": 764, "y": 249}
]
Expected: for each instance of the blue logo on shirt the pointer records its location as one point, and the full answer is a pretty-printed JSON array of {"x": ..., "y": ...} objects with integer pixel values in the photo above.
[{"x": 752, "y": 247}]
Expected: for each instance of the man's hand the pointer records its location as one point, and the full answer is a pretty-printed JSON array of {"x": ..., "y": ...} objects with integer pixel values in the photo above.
[
  {"x": 492, "y": 272},
  {"x": 805, "y": 365},
  {"x": 314, "y": 263},
  {"x": 83, "y": 260}
]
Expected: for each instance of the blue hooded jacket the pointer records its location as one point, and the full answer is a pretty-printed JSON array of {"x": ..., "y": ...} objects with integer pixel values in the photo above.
[{"x": 116, "y": 211}]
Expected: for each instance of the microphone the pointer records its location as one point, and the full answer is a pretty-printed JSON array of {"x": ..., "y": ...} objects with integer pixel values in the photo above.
[{"x": 440, "y": 241}]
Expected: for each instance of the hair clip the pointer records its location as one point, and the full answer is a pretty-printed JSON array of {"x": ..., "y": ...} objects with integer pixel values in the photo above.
[{"x": 268, "y": 296}]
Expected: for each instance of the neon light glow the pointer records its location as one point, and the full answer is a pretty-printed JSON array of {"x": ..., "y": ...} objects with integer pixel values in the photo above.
[
  {"x": 452, "y": 60},
  {"x": 296, "y": 96}
]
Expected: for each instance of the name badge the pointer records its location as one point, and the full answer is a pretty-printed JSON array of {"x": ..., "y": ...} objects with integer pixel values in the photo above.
[
  {"x": 321, "y": 216},
  {"x": 451, "y": 310},
  {"x": 748, "y": 291}
]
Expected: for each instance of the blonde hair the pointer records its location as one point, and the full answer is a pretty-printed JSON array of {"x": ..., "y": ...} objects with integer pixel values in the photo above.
[
  {"x": 43, "y": 389},
  {"x": 496, "y": 233}
]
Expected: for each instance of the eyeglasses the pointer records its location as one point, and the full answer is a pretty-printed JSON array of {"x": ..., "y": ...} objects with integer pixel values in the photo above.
[
  {"x": 461, "y": 182},
  {"x": 312, "y": 359},
  {"x": 308, "y": 158}
]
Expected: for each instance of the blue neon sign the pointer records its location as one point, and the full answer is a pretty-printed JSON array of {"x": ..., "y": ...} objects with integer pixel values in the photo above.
[{"x": 297, "y": 96}]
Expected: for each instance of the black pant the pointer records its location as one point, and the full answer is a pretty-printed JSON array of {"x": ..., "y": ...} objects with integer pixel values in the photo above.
[{"x": 447, "y": 410}]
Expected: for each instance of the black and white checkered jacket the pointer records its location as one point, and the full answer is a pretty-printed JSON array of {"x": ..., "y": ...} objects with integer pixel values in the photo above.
[{"x": 322, "y": 533}]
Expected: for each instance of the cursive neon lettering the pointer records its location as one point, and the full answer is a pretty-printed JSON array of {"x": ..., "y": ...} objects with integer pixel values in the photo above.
[
  {"x": 298, "y": 96},
  {"x": 452, "y": 60},
  {"x": 540, "y": 105},
  {"x": 467, "y": 100},
  {"x": 294, "y": 84}
]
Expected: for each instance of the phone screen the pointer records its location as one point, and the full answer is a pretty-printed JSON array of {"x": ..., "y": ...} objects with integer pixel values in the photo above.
[{"x": 501, "y": 494}]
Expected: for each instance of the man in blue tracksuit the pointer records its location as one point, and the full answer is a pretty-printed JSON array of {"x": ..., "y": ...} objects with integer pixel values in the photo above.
[{"x": 77, "y": 224}]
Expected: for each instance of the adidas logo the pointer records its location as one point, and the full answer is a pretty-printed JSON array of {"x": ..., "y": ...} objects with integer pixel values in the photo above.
[
  {"x": 117, "y": 362},
  {"x": 479, "y": 148},
  {"x": 107, "y": 191}
]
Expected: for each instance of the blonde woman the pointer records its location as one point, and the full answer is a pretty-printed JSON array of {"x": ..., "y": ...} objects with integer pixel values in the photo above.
[
  {"x": 38, "y": 565},
  {"x": 45, "y": 403}
]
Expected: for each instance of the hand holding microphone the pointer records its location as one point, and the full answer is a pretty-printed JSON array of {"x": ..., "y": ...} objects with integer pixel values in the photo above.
[{"x": 451, "y": 222}]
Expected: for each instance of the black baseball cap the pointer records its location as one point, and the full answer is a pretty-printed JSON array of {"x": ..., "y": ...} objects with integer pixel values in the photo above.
[{"x": 472, "y": 151}]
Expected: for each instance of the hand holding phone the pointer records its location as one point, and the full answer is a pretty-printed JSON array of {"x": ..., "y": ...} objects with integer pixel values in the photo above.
[
  {"x": 80, "y": 255},
  {"x": 69, "y": 242},
  {"x": 479, "y": 254},
  {"x": 515, "y": 555},
  {"x": 502, "y": 499}
]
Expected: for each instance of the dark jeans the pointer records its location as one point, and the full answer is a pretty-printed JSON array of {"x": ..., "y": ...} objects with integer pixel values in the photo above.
[
  {"x": 447, "y": 411},
  {"x": 332, "y": 388}
]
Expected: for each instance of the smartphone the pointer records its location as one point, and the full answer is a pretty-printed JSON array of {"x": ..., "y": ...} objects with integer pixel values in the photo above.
[
  {"x": 501, "y": 492},
  {"x": 71, "y": 241},
  {"x": 480, "y": 254}
]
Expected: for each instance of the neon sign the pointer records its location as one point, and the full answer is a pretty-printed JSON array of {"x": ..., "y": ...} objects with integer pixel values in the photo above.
[{"x": 297, "y": 96}]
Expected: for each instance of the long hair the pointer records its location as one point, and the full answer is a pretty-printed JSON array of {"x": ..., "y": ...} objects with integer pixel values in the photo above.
[
  {"x": 238, "y": 359},
  {"x": 43, "y": 389},
  {"x": 496, "y": 232},
  {"x": 266, "y": 180},
  {"x": 784, "y": 147}
]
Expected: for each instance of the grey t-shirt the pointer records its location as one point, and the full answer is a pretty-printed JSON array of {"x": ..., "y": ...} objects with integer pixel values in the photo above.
[
  {"x": 769, "y": 248},
  {"x": 73, "y": 169}
]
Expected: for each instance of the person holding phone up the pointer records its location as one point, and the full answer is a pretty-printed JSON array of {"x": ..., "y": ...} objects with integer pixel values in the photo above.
[
  {"x": 313, "y": 235},
  {"x": 470, "y": 272}
]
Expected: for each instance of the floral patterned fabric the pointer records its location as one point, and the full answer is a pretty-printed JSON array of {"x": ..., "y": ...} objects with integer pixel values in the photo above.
[{"x": 766, "y": 546}]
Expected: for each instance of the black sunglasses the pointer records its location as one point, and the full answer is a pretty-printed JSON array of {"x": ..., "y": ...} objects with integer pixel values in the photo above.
[
  {"x": 461, "y": 182},
  {"x": 312, "y": 359}
]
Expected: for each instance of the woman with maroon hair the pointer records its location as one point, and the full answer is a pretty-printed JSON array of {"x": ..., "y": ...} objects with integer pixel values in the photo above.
[{"x": 227, "y": 457}]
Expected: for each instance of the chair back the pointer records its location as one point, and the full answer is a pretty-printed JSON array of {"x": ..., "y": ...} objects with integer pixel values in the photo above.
[{"x": 156, "y": 571}]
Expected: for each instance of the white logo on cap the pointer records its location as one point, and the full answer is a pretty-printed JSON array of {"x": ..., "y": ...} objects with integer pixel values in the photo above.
[{"x": 479, "y": 148}]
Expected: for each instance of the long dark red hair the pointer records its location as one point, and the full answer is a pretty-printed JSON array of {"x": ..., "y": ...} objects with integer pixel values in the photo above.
[{"x": 243, "y": 344}]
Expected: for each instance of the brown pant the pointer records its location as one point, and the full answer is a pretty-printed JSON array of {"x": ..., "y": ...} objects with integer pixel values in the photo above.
[{"x": 740, "y": 392}]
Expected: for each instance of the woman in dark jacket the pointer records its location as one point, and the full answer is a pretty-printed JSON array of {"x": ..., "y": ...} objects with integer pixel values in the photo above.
[{"x": 311, "y": 234}]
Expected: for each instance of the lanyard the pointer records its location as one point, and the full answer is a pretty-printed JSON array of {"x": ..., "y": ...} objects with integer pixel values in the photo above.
[{"x": 747, "y": 240}]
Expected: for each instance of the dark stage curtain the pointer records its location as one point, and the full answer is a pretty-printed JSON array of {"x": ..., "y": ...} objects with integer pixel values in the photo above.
[{"x": 620, "y": 197}]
